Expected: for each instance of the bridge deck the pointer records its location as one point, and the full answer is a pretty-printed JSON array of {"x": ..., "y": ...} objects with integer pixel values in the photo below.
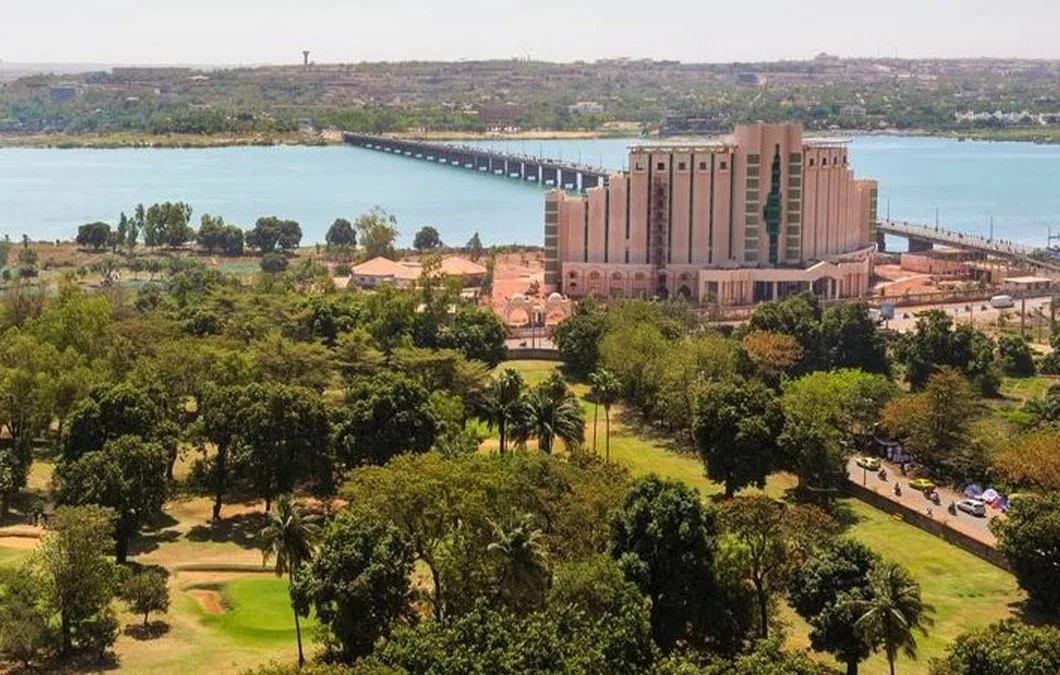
[
  {"x": 957, "y": 239},
  {"x": 545, "y": 171}
]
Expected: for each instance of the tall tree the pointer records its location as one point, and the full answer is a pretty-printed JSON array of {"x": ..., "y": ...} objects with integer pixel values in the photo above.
[
  {"x": 663, "y": 538},
  {"x": 852, "y": 339},
  {"x": 525, "y": 575},
  {"x": 578, "y": 339},
  {"x": 827, "y": 592},
  {"x": 341, "y": 234},
  {"x": 606, "y": 390},
  {"x": 80, "y": 581},
  {"x": 271, "y": 233},
  {"x": 289, "y": 538},
  {"x": 798, "y": 316},
  {"x": 384, "y": 415},
  {"x": 936, "y": 344},
  {"x": 503, "y": 403},
  {"x": 474, "y": 247},
  {"x": 736, "y": 428},
  {"x": 894, "y": 612},
  {"x": 550, "y": 411},
  {"x": 95, "y": 235},
  {"x": 377, "y": 232},
  {"x": 769, "y": 540},
  {"x": 1028, "y": 539},
  {"x": 358, "y": 583},
  {"x": 826, "y": 416},
  {"x": 427, "y": 239},
  {"x": 934, "y": 425},
  {"x": 127, "y": 475},
  {"x": 283, "y": 439}
]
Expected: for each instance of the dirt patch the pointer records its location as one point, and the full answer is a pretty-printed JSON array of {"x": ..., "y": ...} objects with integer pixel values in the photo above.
[
  {"x": 20, "y": 543},
  {"x": 210, "y": 601}
]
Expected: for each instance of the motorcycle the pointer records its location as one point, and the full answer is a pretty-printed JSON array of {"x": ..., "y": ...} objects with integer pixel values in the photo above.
[
  {"x": 882, "y": 475},
  {"x": 952, "y": 508},
  {"x": 897, "y": 490},
  {"x": 935, "y": 498}
]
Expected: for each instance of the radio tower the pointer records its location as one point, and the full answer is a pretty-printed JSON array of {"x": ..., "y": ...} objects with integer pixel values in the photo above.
[{"x": 305, "y": 58}]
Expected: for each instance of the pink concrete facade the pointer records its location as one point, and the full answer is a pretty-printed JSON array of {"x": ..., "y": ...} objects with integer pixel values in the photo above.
[{"x": 763, "y": 216}]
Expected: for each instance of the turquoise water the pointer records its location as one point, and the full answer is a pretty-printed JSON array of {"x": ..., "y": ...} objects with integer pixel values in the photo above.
[{"x": 47, "y": 193}]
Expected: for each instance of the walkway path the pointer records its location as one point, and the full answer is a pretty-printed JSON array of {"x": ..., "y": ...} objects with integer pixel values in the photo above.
[{"x": 978, "y": 528}]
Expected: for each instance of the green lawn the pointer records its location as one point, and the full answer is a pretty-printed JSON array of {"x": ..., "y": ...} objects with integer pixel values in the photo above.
[
  {"x": 965, "y": 591},
  {"x": 258, "y": 611},
  {"x": 11, "y": 557}
]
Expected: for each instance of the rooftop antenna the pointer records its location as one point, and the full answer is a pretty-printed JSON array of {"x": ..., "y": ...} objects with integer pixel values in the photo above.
[{"x": 305, "y": 58}]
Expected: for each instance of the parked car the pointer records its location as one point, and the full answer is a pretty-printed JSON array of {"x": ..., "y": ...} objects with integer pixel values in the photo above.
[
  {"x": 922, "y": 484},
  {"x": 1002, "y": 302},
  {"x": 870, "y": 463},
  {"x": 973, "y": 506}
]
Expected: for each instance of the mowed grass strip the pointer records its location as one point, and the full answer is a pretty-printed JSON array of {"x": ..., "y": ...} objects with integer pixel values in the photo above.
[{"x": 257, "y": 611}]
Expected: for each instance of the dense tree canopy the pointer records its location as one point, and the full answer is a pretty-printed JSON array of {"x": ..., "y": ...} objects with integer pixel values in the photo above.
[
  {"x": 1028, "y": 539},
  {"x": 358, "y": 585},
  {"x": 737, "y": 424},
  {"x": 1005, "y": 648},
  {"x": 341, "y": 234},
  {"x": 127, "y": 475}
]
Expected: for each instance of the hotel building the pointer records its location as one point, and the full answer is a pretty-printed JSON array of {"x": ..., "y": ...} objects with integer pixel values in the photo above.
[{"x": 762, "y": 216}]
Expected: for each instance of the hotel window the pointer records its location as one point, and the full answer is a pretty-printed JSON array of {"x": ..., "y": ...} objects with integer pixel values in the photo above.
[
  {"x": 795, "y": 181},
  {"x": 811, "y": 161},
  {"x": 753, "y": 159},
  {"x": 824, "y": 161},
  {"x": 682, "y": 166},
  {"x": 795, "y": 194},
  {"x": 752, "y": 183},
  {"x": 795, "y": 157},
  {"x": 793, "y": 218},
  {"x": 751, "y": 256},
  {"x": 751, "y": 207},
  {"x": 752, "y": 171},
  {"x": 751, "y": 220},
  {"x": 660, "y": 166},
  {"x": 702, "y": 166},
  {"x": 752, "y": 195},
  {"x": 639, "y": 166},
  {"x": 723, "y": 165}
]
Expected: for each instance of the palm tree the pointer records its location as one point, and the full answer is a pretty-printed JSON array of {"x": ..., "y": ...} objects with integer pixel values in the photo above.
[
  {"x": 894, "y": 611},
  {"x": 289, "y": 536},
  {"x": 503, "y": 402},
  {"x": 525, "y": 574},
  {"x": 606, "y": 390},
  {"x": 549, "y": 411}
]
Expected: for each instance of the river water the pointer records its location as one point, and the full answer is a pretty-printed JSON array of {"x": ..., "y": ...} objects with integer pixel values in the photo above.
[{"x": 47, "y": 193}]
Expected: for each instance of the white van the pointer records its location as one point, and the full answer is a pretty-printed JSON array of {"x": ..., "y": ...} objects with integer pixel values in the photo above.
[{"x": 1002, "y": 302}]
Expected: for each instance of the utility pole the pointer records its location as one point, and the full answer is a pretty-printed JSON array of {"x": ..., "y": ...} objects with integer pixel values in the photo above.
[
  {"x": 1023, "y": 314},
  {"x": 991, "y": 227}
]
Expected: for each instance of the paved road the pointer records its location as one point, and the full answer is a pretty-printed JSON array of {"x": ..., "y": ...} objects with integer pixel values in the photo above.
[
  {"x": 905, "y": 317},
  {"x": 914, "y": 499}
]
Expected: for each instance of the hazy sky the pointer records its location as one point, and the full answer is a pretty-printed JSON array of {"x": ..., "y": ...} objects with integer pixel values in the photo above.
[{"x": 276, "y": 31}]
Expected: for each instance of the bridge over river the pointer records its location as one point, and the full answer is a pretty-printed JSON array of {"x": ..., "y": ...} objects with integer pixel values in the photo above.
[
  {"x": 540, "y": 170},
  {"x": 923, "y": 237}
]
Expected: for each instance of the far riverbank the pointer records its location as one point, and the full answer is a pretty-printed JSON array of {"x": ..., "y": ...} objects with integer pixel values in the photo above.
[{"x": 629, "y": 130}]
